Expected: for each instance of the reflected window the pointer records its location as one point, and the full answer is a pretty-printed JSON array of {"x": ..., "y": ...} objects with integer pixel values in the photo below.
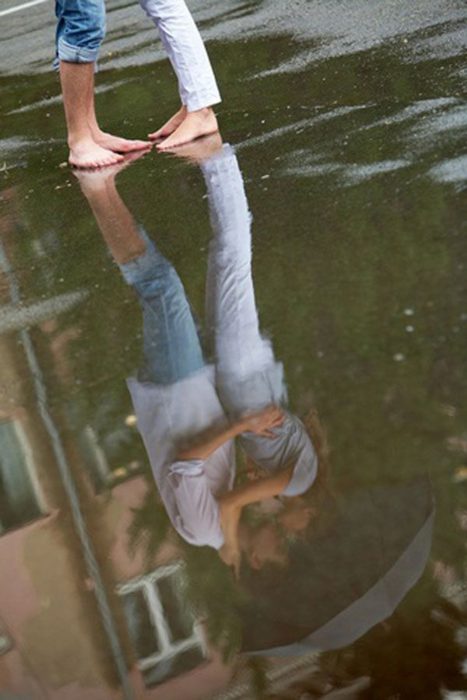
[
  {"x": 112, "y": 455},
  {"x": 18, "y": 493},
  {"x": 166, "y": 637}
]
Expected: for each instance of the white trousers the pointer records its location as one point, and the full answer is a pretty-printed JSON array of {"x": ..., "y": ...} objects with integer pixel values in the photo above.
[
  {"x": 186, "y": 51},
  {"x": 231, "y": 313}
]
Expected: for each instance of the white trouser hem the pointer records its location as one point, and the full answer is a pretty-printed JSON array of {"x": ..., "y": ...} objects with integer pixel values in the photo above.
[{"x": 193, "y": 105}]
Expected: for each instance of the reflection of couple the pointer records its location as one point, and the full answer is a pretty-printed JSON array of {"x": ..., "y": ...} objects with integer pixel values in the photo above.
[{"x": 190, "y": 412}]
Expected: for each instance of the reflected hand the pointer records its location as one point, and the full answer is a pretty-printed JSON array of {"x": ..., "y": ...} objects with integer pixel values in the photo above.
[{"x": 263, "y": 422}]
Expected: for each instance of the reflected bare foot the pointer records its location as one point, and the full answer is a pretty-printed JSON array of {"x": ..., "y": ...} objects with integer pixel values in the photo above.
[
  {"x": 118, "y": 144},
  {"x": 200, "y": 123},
  {"x": 87, "y": 154},
  {"x": 92, "y": 181},
  {"x": 170, "y": 126},
  {"x": 199, "y": 150}
]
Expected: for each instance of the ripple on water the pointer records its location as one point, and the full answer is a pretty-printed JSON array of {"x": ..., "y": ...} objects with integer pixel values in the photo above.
[{"x": 452, "y": 170}]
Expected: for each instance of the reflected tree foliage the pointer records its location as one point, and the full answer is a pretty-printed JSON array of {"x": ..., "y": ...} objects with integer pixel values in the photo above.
[{"x": 209, "y": 588}]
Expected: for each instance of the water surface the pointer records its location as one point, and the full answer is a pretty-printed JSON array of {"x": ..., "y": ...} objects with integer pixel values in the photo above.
[{"x": 348, "y": 123}]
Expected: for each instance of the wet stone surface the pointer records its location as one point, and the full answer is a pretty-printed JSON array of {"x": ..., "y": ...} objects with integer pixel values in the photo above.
[{"x": 343, "y": 136}]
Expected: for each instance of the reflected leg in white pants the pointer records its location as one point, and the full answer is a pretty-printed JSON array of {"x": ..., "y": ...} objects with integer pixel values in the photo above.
[
  {"x": 232, "y": 317},
  {"x": 186, "y": 51}
]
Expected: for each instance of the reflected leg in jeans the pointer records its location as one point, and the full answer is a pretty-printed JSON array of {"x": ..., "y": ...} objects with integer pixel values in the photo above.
[{"x": 172, "y": 350}]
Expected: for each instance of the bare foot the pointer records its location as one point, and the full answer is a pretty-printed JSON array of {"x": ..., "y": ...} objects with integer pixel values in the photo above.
[
  {"x": 117, "y": 144},
  {"x": 199, "y": 150},
  {"x": 88, "y": 154},
  {"x": 170, "y": 126},
  {"x": 200, "y": 123}
]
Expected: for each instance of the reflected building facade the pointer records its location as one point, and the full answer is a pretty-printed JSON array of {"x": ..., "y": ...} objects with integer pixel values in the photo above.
[{"x": 53, "y": 642}]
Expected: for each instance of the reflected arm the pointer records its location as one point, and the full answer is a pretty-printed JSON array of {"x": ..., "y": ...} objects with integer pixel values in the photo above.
[
  {"x": 208, "y": 442},
  {"x": 259, "y": 490},
  {"x": 261, "y": 422}
]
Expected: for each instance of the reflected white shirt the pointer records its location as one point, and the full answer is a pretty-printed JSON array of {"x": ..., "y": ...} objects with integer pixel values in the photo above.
[{"x": 167, "y": 417}]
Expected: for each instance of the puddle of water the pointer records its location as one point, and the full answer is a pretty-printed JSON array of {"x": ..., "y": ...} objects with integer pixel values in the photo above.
[{"x": 347, "y": 142}]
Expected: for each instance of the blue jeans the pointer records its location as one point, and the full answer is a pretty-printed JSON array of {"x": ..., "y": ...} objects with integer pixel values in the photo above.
[
  {"x": 172, "y": 350},
  {"x": 80, "y": 30}
]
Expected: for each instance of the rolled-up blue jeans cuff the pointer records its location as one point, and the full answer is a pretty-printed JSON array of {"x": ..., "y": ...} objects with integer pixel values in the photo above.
[{"x": 74, "y": 54}]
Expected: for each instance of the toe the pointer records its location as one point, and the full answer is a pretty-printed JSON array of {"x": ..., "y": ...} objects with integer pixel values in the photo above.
[
  {"x": 160, "y": 133},
  {"x": 129, "y": 146},
  {"x": 169, "y": 143}
]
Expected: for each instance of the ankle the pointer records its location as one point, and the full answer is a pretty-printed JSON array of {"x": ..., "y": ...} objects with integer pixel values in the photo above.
[
  {"x": 78, "y": 140},
  {"x": 95, "y": 132},
  {"x": 204, "y": 112}
]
